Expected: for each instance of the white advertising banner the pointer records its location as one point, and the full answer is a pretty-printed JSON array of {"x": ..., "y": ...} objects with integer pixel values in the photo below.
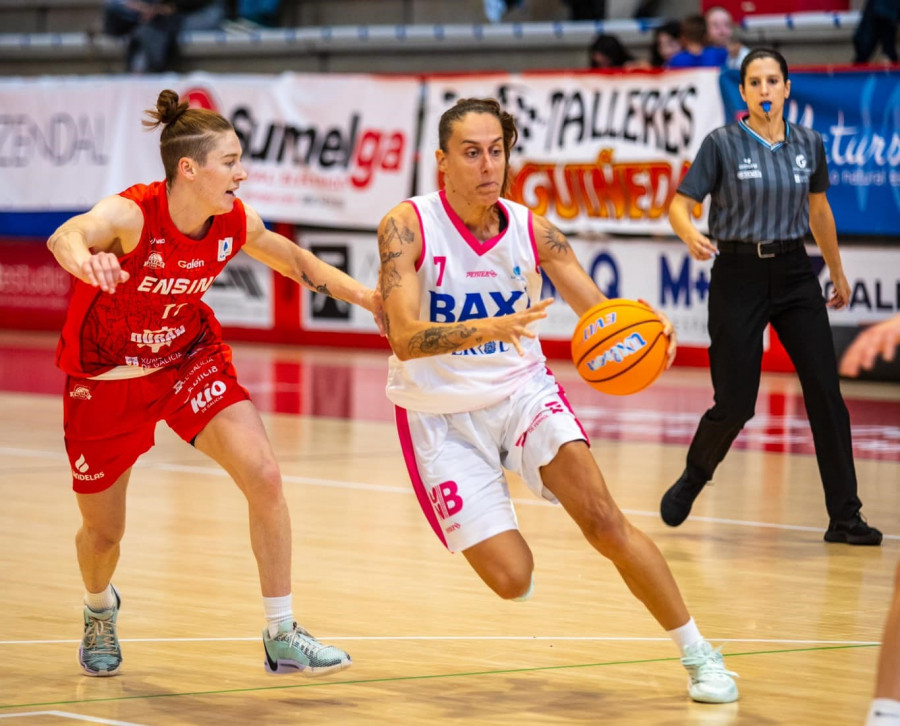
[
  {"x": 596, "y": 152},
  {"x": 660, "y": 272},
  {"x": 331, "y": 150},
  {"x": 874, "y": 277}
]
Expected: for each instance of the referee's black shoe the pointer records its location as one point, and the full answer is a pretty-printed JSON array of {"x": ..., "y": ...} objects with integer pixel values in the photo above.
[
  {"x": 854, "y": 531},
  {"x": 677, "y": 501}
]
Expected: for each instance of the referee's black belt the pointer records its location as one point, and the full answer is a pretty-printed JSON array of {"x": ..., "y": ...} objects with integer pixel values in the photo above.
[{"x": 766, "y": 248}]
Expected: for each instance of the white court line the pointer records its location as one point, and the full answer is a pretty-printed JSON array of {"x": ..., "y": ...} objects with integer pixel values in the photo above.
[
  {"x": 595, "y": 638},
  {"x": 361, "y": 486},
  {"x": 74, "y": 716}
]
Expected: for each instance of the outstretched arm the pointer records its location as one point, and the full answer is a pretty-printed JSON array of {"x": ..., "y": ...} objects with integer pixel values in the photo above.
[
  {"x": 399, "y": 247},
  {"x": 302, "y": 266},
  {"x": 88, "y": 245},
  {"x": 574, "y": 284}
]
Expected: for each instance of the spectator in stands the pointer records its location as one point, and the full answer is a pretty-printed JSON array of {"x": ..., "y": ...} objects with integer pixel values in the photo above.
[
  {"x": 253, "y": 14},
  {"x": 878, "y": 24},
  {"x": 720, "y": 34},
  {"x": 494, "y": 10},
  {"x": 665, "y": 43},
  {"x": 152, "y": 28},
  {"x": 587, "y": 9},
  {"x": 696, "y": 52},
  {"x": 607, "y": 51}
]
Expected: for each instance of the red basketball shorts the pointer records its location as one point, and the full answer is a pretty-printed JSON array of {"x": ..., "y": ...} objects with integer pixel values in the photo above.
[{"x": 109, "y": 424}]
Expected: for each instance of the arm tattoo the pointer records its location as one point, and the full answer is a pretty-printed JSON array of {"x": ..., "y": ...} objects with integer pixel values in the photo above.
[
  {"x": 442, "y": 339},
  {"x": 557, "y": 240},
  {"x": 315, "y": 288},
  {"x": 390, "y": 247}
]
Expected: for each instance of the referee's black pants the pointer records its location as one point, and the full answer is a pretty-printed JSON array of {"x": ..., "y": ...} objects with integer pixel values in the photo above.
[{"x": 745, "y": 293}]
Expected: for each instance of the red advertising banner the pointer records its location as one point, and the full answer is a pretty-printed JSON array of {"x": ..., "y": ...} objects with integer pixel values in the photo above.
[{"x": 34, "y": 289}]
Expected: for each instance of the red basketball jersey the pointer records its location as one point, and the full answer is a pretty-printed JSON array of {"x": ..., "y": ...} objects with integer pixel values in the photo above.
[{"x": 155, "y": 317}]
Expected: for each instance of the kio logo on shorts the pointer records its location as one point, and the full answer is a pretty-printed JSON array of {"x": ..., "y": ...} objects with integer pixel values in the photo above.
[
  {"x": 446, "y": 500},
  {"x": 81, "y": 469},
  {"x": 214, "y": 390}
]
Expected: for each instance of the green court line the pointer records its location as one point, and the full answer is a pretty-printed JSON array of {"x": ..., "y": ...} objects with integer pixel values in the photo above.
[{"x": 399, "y": 679}]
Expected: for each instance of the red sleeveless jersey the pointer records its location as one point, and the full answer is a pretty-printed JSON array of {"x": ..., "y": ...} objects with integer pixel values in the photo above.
[{"x": 156, "y": 317}]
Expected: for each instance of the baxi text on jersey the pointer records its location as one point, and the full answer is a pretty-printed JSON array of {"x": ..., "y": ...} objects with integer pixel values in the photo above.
[
  {"x": 175, "y": 285},
  {"x": 444, "y": 308}
]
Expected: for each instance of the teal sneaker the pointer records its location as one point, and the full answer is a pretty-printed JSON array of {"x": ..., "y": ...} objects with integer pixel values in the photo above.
[
  {"x": 710, "y": 681},
  {"x": 296, "y": 650},
  {"x": 99, "y": 653}
]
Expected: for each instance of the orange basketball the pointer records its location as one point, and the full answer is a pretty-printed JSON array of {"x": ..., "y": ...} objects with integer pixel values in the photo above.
[{"x": 619, "y": 347}]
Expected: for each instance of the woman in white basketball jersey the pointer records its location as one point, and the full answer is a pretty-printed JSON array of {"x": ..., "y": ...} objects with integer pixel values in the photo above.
[{"x": 461, "y": 284}]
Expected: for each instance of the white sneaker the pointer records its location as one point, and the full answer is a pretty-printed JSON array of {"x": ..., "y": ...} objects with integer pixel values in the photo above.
[
  {"x": 296, "y": 650},
  {"x": 710, "y": 681}
]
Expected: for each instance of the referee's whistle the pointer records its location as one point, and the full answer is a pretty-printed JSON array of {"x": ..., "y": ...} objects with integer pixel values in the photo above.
[{"x": 766, "y": 106}]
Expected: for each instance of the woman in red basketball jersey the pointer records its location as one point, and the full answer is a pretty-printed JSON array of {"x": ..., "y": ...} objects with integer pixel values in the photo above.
[
  {"x": 461, "y": 282},
  {"x": 139, "y": 346}
]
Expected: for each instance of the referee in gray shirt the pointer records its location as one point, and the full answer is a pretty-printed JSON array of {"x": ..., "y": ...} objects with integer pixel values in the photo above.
[{"x": 767, "y": 180}]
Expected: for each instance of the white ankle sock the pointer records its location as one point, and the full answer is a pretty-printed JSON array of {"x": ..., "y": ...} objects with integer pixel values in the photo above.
[
  {"x": 685, "y": 636},
  {"x": 99, "y": 601},
  {"x": 884, "y": 712},
  {"x": 279, "y": 613}
]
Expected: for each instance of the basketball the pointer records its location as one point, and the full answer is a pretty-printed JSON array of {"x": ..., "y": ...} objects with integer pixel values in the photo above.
[{"x": 619, "y": 347}]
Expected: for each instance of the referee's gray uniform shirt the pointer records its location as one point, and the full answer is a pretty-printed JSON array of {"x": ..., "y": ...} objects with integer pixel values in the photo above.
[{"x": 759, "y": 190}]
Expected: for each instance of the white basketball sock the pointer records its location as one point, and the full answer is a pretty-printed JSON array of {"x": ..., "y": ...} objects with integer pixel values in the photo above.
[
  {"x": 279, "y": 613},
  {"x": 685, "y": 636},
  {"x": 100, "y": 601}
]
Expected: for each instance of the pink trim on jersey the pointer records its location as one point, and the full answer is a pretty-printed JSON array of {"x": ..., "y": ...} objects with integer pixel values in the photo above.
[
  {"x": 409, "y": 455},
  {"x": 478, "y": 247},
  {"x": 422, "y": 232},
  {"x": 562, "y": 397},
  {"x": 537, "y": 259}
]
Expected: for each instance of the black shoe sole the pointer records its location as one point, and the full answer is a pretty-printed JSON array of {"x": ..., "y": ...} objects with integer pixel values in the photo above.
[
  {"x": 672, "y": 496},
  {"x": 869, "y": 540}
]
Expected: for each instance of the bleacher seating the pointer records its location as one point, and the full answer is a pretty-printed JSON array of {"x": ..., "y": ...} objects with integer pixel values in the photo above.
[
  {"x": 55, "y": 47},
  {"x": 49, "y": 16}
]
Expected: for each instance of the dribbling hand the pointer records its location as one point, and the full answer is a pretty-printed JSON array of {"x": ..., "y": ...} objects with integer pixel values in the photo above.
[
  {"x": 512, "y": 328},
  {"x": 668, "y": 331}
]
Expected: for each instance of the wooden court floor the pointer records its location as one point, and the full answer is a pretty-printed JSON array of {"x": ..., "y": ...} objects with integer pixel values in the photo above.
[{"x": 798, "y": 619}]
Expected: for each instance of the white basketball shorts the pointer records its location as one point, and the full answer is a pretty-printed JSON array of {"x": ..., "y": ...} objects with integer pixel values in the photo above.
[{"x": 456, "y": 461}]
